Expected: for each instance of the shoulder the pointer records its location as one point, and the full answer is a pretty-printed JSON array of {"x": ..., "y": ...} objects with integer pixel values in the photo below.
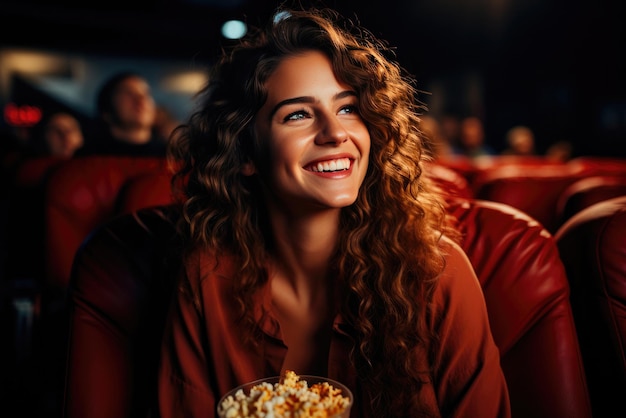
[
  {"x": 457, "y": 264},
  {"x": 458, "y": 290},
  {"x": 208, "y": 269},
  {"x": 204, "y": 262}
]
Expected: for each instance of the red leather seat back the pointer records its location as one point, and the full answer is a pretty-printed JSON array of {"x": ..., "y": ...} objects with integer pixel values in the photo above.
[
  {"x": 450, "y": 183},
  {"x": 586, "y": 192},
  {"x": 25, "y": 227},
  {"x": 527, "y": 296},
  {"x": 145, "y": 190},
  {"x": 599, "y": 166},
  {"x": 118, "y": 298},
  {"x": 31, "y": 172},
  {"x": 81, "y": 195},
  {"x": 592, "y": 245},
  {"x": 491, "y": 161},
  {"x": 459, "y": 163},
  {"x": 533, "y": 189}
]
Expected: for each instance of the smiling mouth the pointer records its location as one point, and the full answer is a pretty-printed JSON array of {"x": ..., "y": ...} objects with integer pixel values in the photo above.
[{"x": 340, "y": 164}]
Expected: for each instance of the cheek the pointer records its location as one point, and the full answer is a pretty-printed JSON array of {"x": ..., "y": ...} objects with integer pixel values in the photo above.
[
  {"x": 284, "y": 149},
  {"x": 365, "y": 143}
]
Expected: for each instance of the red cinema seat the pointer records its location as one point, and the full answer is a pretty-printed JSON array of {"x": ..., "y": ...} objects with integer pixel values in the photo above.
[
  {"x": 588, "y": 191},
  {"x": 145, "y": 190},
  {"x": 533, "y": 189},
  {"x": 81, "y": 195},
  {"x": 592, "y": 244},
  {"x": 24, "y": 239},
  {"x": 450, "y": 183},
  {"x": 527, "y": 295},
  {"x": 122, "y": 278},
  {"x": 599, "y": 166}
]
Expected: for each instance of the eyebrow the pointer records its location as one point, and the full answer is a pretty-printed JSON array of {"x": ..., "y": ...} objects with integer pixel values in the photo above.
[{"x": 308, "y": 99}]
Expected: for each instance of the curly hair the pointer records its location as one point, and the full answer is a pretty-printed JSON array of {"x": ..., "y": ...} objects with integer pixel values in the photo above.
[{"x": 388, "y": 256}]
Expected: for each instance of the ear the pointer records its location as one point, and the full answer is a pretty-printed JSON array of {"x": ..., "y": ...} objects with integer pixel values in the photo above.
[{"x": 248, "y": 168}]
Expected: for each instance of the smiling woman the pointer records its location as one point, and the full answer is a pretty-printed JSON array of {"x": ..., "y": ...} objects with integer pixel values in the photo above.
[
  {"x": 312, "y": 241},
  {"x": 311, "y": 125}
]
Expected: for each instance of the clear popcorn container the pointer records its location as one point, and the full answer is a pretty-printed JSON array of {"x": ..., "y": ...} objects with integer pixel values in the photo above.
[{"x": 291, "y": 396}]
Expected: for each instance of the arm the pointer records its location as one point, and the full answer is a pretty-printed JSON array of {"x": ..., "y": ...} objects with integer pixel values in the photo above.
[{"x": 184, "y": 389}]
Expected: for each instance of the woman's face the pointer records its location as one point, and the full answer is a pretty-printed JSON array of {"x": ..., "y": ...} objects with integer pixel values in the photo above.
[{"x": 318, "y": 143}]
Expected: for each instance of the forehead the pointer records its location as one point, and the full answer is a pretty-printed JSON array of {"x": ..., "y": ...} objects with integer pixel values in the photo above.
[
  {"x": 61, "y": 119},
  {"x": 132, "y": 82},
  {"x": 309, "y": 73},
  {"x": 307, "y": 65}
]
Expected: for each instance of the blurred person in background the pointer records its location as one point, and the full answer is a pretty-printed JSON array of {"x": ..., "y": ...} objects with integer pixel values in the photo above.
[
  {"x": 436, "y": 143},
  {"x": 450, "y": 127},
  {"x": 472, "y": 139},
  {"x": 126, "y": 116},
  {"x": 560, "y": 151},
  {"x": 520, "y": 140},
  {"x": 58, "y": 134}
]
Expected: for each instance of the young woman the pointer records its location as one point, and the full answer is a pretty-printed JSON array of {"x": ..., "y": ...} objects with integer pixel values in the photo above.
[{"x": 314, "y": 243}]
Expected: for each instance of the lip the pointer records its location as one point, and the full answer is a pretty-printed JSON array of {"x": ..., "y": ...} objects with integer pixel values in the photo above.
[
  {"x": 329, "y": 158},
  {"x": 331, "y": 174}
]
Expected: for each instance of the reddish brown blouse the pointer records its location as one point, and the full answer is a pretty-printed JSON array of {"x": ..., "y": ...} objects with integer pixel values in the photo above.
[{"x": 203, "y": 358}]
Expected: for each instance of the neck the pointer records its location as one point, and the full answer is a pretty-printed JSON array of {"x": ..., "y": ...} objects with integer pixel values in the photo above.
[
  {"x": 138, "y": 135},
  {"x": 304, "y": 245}
]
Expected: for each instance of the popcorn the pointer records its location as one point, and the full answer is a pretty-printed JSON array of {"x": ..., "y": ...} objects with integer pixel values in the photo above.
[{"x": 291, "y": 397}]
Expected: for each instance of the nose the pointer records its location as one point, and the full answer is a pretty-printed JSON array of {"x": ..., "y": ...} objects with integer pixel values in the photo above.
[{"x": 331, "y": 131}]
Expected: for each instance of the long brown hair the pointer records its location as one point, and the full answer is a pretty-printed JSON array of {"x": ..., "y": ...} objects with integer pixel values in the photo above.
[{"x": 388, "y": 256}]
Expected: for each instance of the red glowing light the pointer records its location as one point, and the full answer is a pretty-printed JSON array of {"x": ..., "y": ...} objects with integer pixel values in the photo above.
[{"x": 21, "y": 116}]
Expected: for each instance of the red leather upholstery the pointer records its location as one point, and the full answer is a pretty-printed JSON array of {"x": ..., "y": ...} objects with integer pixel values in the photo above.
[
  {"x": 533, "y": 189},
  {"x": 31, "y": 172},
  {"x": 491, "y": 161},
  {"x": 117, "y": 299},
  {"x": 586, "y": 192},
  {"x": 145, "y": 190},
  {"x": 599, "y": 166},
  {"x": 82, "y": 194},
  {"x": 459, "y": 163},
  {"x": 25, "y": 218},
  {"x": 470, "y": 168},
  {"x": 450, "y": 182},
  {"x": 592, "y": 245},
  {"x": 527, "y": 295}
]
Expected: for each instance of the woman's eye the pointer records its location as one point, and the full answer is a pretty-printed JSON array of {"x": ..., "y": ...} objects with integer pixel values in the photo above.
[
  {"x": 348, "y": 109},
  {"x": 299, "y": 115}
]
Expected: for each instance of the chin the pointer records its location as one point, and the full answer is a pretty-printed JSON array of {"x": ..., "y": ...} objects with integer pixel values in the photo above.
[{"x": 343, "y": 202}]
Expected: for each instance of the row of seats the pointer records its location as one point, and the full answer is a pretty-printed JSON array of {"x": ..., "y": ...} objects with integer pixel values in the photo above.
[
  {"x": 56, "y": 203},
  {"x": 53, "y": 206},
  {"x": 81, "y": 193},
  {"x": 121, "y": 281},
  {"x": 84, "y": 192},
  {"x": 525, "y": 276},
  {"x": 548, "y": 191},
  {"x": 71, "y": 198}
]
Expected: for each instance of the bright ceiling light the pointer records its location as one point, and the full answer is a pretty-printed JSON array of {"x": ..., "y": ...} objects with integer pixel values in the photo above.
[{"x": 234, "y": 29}]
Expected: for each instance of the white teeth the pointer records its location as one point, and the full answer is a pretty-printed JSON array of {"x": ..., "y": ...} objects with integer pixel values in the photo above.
[{"x": 333, "y": 165}]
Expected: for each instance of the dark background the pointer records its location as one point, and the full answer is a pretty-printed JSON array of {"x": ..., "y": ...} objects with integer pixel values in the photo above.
[{"x": 557, "y": 66}]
